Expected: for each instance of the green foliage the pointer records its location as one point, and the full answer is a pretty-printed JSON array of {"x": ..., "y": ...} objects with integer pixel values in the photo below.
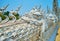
[
  {"x": 10, "y": 18},
  {"x": 17, "y": 16},
  {"x": 2, "y": 16},
  {"x": 6, "y": 13}
]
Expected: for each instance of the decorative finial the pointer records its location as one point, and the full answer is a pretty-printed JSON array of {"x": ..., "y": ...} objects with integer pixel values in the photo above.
[
  {"x": 6, "y": 6},
  {"x": 18, "y": 8},
  {"x": 39, "y": 7},
  {"x": 48, "y": 9},
  {"x": 35, "y": 7}
]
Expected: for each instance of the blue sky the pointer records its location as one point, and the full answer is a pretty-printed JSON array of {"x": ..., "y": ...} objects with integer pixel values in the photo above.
[{"x": 27, "y": 5}]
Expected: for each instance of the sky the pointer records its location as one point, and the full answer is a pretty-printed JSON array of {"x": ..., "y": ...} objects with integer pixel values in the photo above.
[{"x": 26, "y": 5}]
